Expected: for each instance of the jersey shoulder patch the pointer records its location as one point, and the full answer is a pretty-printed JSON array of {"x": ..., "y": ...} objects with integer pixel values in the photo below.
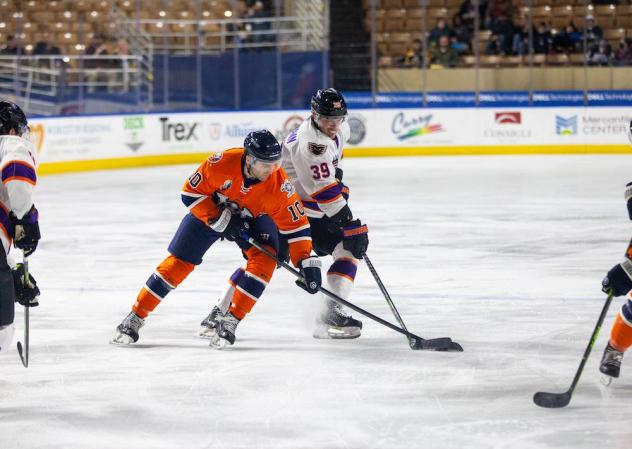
[
  {"x": 215, "y": 158},
  {"x": 287, "y": 187}
]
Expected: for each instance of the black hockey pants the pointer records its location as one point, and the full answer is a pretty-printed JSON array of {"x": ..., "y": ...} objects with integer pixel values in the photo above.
[{"x": 7, "y": 295}]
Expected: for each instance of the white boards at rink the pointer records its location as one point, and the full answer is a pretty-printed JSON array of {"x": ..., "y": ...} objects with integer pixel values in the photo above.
[{"x": 115, "y": 141}]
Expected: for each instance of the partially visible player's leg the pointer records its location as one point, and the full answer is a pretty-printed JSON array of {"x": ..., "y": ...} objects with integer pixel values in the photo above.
[
  {"x": 620, "y": 341},
  {"x": 7, "y": 303},
  {"x": 248, "y": 289},
  {"x": 245, "y": 285},
  {"x": 333, "y": 321},
  {"x": 191, "y": 241},
  {"x": 208, "y": 324}
]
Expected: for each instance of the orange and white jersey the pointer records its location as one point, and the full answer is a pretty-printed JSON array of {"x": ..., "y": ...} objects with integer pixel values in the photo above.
[
  {"x": 18, "y": 168},
  {"x": 310, "y": 159},
  {"x": 221, "y": 177}
]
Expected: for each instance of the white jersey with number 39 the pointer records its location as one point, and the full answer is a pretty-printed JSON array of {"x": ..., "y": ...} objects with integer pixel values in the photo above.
[{"x": 310, "y": 159}]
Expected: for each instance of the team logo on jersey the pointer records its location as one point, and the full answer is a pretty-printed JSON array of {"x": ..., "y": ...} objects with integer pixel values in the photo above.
[
  {"x": 287, "y": 187},
  {"x": 316, "y": 148},
  {"x": 215, "y": 157},
  {"x": 226, "y": 184}
]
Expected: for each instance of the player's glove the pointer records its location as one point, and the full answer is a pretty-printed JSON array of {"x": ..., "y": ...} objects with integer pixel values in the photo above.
[
  {"x": 618, "y": 280},
  {"x": 229, "y": 225},
  {"x": 628, "y": 198},
  {"x": 26, "y": 233},
  {"x": 310, "y": 270},
  {"x": 343, "y": 188},
  {"x": 355, "y": 238},
  {"x": 26, "y": 293}
]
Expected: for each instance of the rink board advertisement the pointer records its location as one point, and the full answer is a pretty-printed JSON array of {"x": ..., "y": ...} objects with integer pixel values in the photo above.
[{"x": 113, "y": 141}]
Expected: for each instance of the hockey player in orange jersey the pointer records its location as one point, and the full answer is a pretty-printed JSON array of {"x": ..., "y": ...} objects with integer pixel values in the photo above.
[
  {"x": 619, "y": 280},
  {"x": 235, "y": 194}
]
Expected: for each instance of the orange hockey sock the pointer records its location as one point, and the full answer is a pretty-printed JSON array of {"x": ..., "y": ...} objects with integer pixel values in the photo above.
[
  {"x": 621, "y": 334},
  {"x": 169, "y": 274},
  {"x": 250, "y": 287}
]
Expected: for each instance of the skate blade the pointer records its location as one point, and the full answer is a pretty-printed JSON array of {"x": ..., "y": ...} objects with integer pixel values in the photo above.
[
  {"x": 122, "y": 340},
  {"x": 606, "y": 380},
  {"x": 206, "y": 332},
  {"x": 219, "y": 343},
  {"x": 336, "y": 333}
]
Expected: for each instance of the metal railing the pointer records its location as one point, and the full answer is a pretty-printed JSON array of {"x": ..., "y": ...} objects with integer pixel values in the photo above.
[{"x": 42, "y": 83}]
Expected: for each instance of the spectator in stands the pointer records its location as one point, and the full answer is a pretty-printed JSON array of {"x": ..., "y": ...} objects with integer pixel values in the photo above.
[
  {"x": 11, "y": 47},
  {"x": 462, "y": 38},
  {"x": 501, "y": 38},
  {"x": 593, "y": 32},
  {"x": 443, "y": 55},
  {"x": 600, "y": 54},
  {"x": 520, "y": 38},
  {"x": 120, "y": 62},
  {"x": 255, "y": 9},
  {"x": 413, "y": 57},
  {"x": 45, "y": 46},
  {"x": 568, "y": 40},
  {"x": 497, "y": 9},
  {"x": 467, "y": 12},
  {"x": 624, "y": 53},
  {"x": 441, "y": 29},
  {"x": 96, "y": 70},
  {"x": 541, "y": 39}
]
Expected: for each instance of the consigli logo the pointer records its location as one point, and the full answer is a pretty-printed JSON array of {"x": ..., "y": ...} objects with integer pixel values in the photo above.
[
  {"x": 407, "y": 127},
  {"x": 508, "y": 118},
  {"x": 566, "y": 126}
]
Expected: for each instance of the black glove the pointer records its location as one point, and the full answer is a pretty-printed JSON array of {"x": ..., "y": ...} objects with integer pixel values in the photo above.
[
  {"x": 355, "y": 238},
  {"x": 229, "y": 225},
  {"x": 617, "y": 280},
  {"x": 310, "y": 270},
  {"x": 628, "y": 197},
  {"x": 26, "y": 293},
  {"x": 26, "y": 232}
]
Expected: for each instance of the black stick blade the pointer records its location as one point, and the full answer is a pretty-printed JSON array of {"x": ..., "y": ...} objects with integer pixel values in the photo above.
[
  {"x": 25, "y": 362},
  {"x": 435, "y": 344},
  {"x": 552, "y": 400}
]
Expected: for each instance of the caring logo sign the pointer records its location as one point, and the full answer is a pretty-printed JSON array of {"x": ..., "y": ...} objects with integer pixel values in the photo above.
[{"x": 404, "y": 127}]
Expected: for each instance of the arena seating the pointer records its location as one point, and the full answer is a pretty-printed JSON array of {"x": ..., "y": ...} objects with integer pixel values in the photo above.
[{"x": 398, "y": 22}]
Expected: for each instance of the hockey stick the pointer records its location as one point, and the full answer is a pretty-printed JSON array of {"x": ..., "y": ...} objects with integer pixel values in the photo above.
[
  {"x": 557, "y": 400},
  {"x": 24, "y": 356},
  {"x": 433, "y": 344},
  {"x": 389, "y": 301}
]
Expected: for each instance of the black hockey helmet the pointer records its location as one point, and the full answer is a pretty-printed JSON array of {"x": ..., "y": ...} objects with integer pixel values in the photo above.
[
  {"x": 329, "y": 103},
  {"x": 263, "y": 146},
  {"x": 12, "y": 118}
]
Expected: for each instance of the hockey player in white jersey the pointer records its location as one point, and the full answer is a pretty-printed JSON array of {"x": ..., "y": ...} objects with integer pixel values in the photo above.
[
  {"x": 311, "y": 155},
  {"x": 18, "y": 216}
]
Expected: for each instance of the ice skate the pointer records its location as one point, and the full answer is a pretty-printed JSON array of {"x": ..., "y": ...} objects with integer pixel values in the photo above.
[
  {"x": 610, "y": 364},
  {"x": 208, "y": 325},
  {"x": 127, "y": 331},
  {"x": 224, "y": 331},
  {"x": 337, "y": 324}
]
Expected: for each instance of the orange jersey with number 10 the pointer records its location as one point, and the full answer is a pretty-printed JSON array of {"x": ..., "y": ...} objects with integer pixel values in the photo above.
[{"x": 221, "y": 176}]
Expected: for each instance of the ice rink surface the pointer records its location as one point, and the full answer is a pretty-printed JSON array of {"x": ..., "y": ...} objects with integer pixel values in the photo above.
[{"x": 503, "y": 254}]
